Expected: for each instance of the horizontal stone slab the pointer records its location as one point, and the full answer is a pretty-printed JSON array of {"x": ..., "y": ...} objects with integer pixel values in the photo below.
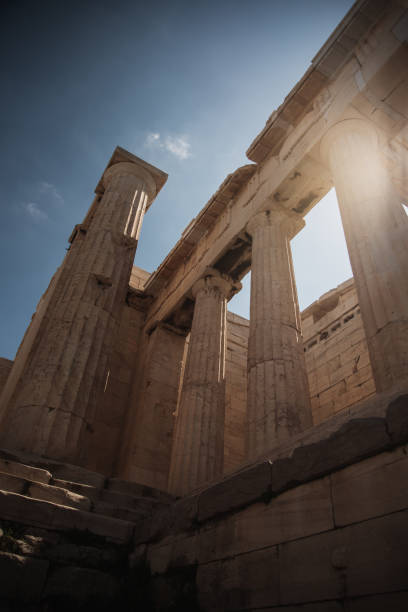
[
  {"x": 297, "y": 513},
  {"x": 58, "y": 495},
  {"x": 74, "y": 473},
  {"x": 47, "y": 515},
  {"x": 14, "y": 484},
  {"x": 179, "y": 517},
  {"x": 93, "y": 493},
  {"x": 355, "y": 440},
  {"x": 106, "y": 509},
  {"x": 130, "y": 502},
  {"x": 46, "y": 492},
  {"x": 56, "y": 469},
  {"x": 21, "y": 470},
  {"x": 237, "y": 491},
  {"x": 371, "y": 487},
  {"x": 133, "y": 488},
  {"x": 359, "y": 560}
]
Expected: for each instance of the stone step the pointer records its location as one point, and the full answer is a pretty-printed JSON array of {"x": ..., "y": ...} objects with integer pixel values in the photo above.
[
  {"x": 57, "y": 495},
  {"x": 41, "y": 491},
  {"x": 75, "y": 487},
  {"x": 130, "y": 502},
  {"x": 93, "y": 493},
  {"x": 137, "y": 490},
  {"x": 13, "y": 484},
  {"x": 112, "y": 504},
  {"x": 125, "y": 514},
  {"x": 15, "y": 468},
  {"x": 59, "y": 470},
  {"x": 51, "y": 516},
  {"x": 74, "y": 473}
]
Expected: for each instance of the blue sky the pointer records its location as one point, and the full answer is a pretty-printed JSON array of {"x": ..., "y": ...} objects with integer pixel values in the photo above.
[{"x": 186, "y": 85}]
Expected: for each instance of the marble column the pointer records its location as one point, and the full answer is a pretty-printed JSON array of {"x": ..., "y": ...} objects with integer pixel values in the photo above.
[
  {"x": 55, "y": 399},
  {"x": 376, "y": 230},
  {"x": 278, "y": 393},
  {"x": 198, "y": 446}
]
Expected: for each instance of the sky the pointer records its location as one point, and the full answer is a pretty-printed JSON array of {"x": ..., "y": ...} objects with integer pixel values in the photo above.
[{"x": 183, "y": 84}]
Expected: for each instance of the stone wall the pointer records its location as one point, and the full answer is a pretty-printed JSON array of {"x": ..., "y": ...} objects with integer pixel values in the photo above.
[
  {"x": 336, "y": 352},
  {"x": 324, "y": 529},
  {"x": 138, "y": 278}
]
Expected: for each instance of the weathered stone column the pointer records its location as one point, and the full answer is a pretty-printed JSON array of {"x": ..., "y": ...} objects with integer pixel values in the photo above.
[
  {"x": 278, "y": 393},
  {"x": 198, "y": 446},
  {"x": 376, "y": 230},
  {"x": 55, "y": 398}
]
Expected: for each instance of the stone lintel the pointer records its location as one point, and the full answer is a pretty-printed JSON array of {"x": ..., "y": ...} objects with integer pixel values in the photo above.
[
  {"x": 138, "y": 299},
  {"x": 326, "y": 65},
  {"x": 199, "y": 226},
  {"x": 179, "y": 331},
  {"x": 121, "y": 155}
]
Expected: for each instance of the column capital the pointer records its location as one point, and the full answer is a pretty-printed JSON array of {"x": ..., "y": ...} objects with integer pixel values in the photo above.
[
  {"x": 214, "y": 280},
  {"x": 343, "y": 128},
  {"x": 127, "y": 169},
  {"x": 290, "y": 222}
]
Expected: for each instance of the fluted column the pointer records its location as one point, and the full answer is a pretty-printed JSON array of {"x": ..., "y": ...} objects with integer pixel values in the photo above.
[
  {"x": 55, "y": 398},
  {"x": 376, "y": 230},
  {"x": 198, "y": 447},
  {"x": 278, "y": 394}
]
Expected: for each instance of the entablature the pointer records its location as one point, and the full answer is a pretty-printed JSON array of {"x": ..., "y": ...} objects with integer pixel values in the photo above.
[{"x": 297, "y": 177}]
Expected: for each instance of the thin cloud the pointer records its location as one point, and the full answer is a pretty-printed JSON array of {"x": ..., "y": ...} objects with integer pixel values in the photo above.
[
  {"x": 153, "y": 139},
  {"x": 176, "y": 145},
  {"x": 179, "y": 146},
  {"x": 35, "y": 212},
  {"x": 46, "y": 199},
  {"x": 50, "y": 192}
]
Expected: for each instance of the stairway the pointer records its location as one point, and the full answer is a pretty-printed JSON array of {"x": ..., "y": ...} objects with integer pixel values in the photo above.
[{"x": 53, "y": 495}]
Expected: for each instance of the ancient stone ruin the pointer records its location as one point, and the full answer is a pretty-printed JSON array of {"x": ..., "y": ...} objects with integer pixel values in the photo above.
[{"x": 162, "y": 453}]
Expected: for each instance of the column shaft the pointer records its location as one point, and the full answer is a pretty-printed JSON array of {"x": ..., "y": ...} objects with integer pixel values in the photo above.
[
  {"x": 198, "y": 447},
  {"x": 278, "y": 394},
  {"x": 376, "y": 230},
  {"x": 56, "y": 396}
]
